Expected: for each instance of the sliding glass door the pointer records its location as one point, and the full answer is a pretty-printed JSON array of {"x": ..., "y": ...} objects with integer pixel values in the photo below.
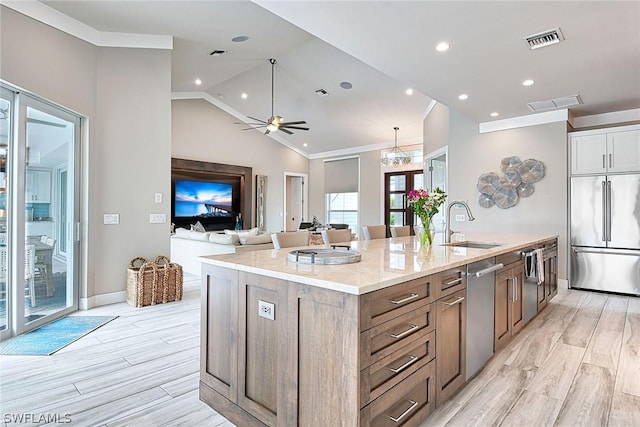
[{"x": 40, "y": 207}]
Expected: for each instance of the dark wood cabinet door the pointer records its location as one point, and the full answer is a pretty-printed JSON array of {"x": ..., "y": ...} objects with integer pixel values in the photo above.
[{"x": 451, "y": 334}]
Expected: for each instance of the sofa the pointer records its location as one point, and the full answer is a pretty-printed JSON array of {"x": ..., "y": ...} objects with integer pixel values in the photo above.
[{"x": 188, "y": 245}]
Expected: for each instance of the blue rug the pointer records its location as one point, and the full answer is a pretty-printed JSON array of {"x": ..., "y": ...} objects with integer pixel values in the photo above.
[{"x": 53, "y": 336}]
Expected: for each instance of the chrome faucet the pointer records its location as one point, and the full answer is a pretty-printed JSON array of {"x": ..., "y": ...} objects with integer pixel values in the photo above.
[{"x": 449, "y": 232}]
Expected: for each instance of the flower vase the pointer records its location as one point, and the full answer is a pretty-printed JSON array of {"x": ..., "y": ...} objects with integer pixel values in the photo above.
[{"x": 427, "y": 232}]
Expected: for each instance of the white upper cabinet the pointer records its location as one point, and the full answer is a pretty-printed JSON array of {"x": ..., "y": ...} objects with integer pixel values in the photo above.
[
  {"x": 623, "y": 151},
  {"x": 605, "y": 151},
  {"x": 38, "y": 186}
]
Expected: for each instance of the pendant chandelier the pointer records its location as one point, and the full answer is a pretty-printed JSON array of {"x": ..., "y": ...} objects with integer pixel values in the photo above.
[{"x": 396, "y": 157}]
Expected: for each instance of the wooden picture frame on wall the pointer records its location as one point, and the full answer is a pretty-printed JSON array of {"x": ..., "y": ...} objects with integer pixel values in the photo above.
[{"x": 261, "y": 201}]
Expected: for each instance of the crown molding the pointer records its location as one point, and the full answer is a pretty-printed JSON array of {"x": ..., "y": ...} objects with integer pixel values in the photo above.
[
  {"x": 524, "y": 121},
  {"x": 58, "y": 20}
]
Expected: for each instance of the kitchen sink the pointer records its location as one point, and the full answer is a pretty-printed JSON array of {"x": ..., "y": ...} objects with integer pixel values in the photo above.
[{"x": 473, "y": 245}]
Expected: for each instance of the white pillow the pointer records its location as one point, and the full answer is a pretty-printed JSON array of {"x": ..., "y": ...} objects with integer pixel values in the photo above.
[
  {"x": 182, "y": 232},
  {"x": 196, "y": 235},
  {"x": 244, "y": 233},
  {"x": 224, "y": 239},
  {"x": 256, "y": 240}
]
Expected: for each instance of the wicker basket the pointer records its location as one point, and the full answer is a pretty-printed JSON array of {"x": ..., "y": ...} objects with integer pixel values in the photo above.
[{"x": 150, "y": 283}]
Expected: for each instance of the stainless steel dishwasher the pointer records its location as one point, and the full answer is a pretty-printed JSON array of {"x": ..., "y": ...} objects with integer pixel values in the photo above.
[{"x": 480, "y": 313}]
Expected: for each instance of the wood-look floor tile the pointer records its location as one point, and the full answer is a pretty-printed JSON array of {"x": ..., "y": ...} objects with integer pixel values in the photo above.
[
  {"x": 604, "y": 348},
  {"x": 592, "y": 305},
  {"x": 531, "y": 354},
  {"x": 442, "y": 414},
  {"x": 579, "y": 331},
  {"x": 491, "y": 404},
  {"x": 634, "y": 306},
  {"x": 182, "y": 386},
  {"x": 628, "y": 376},
  {"x": 625, "y": 410},
  {"x": 589, "y": 400},
  {"x": 614, "y": 313},
  {"x": 555, "y": 376},
  {"x": 557, "y": 318},
  {"x": 533, "y": 406}
]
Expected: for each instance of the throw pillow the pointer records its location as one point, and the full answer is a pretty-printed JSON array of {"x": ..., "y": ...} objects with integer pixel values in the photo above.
[
  {"x": 198, "y": 227},
  {"x": 198, "y": 235},
  {"x": 256, "y": 240},
  {"x": 244, "y": 233},
  {"x": 224, "y": 239},
  {"x": 182, "y": 232}
]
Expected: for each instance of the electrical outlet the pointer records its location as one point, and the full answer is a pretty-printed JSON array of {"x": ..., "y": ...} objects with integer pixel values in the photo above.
[
  {"x": 266, "y": 310},
  {"x": 157, "y": 218},
  {"x": 459, "y": 218}
]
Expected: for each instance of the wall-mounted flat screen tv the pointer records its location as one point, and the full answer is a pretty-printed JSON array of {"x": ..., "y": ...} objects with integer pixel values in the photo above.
[{"x": 203, "y": 199}]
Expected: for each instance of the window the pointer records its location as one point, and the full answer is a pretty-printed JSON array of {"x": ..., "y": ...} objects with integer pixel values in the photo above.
[{"x": 342, "y": 208}]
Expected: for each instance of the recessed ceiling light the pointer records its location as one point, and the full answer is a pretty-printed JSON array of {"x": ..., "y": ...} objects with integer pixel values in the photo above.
[
  {"x": 244, "y": 96},
  {"x": 442, "y": 47},
  {"x": 409, "y": 91},
  {"x": 305, "y": 144},
  {"x": 346, "y": 85},
  {"x": 198, "y": 82},
  {"x": 463, "y": 97},
  {"x": 240, "y": 39},
  {"x": 528, "y": 82},
  {"x": 494, "y": 114}
]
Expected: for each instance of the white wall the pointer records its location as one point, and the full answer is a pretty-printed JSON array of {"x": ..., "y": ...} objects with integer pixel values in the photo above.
[
  {"x": 202, "y": 131},
  {"x": 471, "y": 154},
  {"x": 125, "y": 97}
]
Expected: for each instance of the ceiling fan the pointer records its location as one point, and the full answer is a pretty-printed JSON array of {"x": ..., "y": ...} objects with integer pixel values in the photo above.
[{"x": 275, "y": 122}]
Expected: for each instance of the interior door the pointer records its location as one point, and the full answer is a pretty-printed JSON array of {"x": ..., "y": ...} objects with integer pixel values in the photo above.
[{"x": 396, "y": 189}]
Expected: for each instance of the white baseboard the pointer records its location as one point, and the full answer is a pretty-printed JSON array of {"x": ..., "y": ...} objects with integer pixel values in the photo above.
[
  {"x": 563, "y": 283},
  {"x": 102, "y": 299}
]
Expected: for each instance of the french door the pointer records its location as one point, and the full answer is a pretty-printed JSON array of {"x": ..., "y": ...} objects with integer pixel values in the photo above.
[
  {"x": 39, "y": 145},
  {"x": 396, "y": 190}
]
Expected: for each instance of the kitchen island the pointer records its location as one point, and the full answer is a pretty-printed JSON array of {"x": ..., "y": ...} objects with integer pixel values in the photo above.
[{"x": 378, "y": 342}]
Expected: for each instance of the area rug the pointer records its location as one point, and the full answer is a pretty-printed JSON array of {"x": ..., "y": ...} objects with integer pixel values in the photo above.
[{"x": 49, "y": 338}]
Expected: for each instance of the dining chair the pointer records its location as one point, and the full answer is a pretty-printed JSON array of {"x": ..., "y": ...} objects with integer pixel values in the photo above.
[
  {"x": 400, "y": 231},
  {"x": 290, "y": 239},
  {"x": 29, "y": 273},
  {"x": 336, "y": 236},
  {"x": 371, "y": 232},
  {"x": 43, "y": 265}
]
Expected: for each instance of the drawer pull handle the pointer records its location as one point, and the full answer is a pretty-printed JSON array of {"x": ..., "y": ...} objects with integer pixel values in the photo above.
[
  {"x": 412, "y": 360},
  {"x": 405, "y": 299},
  {"x": 405, "y": 413},
  {"x": 453, "y": 282},
  {"x": 412, "y": 328},
  {"x": 454, "y": 302}
]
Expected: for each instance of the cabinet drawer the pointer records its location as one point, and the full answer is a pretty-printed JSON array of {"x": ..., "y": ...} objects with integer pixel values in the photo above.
[
  {"x": 383, "y": 340},
  {"x": 380, "y": 306},
  {"x": 450, "y": 281},
  {"x": 390, "y": 370},
  {"x": 509, "y": 258},
  {"x": 406, "y": 404}
]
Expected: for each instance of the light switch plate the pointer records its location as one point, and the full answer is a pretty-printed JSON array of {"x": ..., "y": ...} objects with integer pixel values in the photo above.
[
  {"x": 157, "y": 218},
  {"x": 266, "y": 310},
  {"x": 157, "y": 197},
  {"x": 111, "y": 219},
  {"x": 460, "y": 218}
]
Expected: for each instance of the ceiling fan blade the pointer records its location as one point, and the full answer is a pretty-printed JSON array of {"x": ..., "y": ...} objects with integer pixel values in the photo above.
[
  {"x": 255, "y": 127},
  {"x": 285, "y": 131},
  {"x": 294, "y": 127},
  {"x": 257, "y": 120},
  {"x": 301, "y": 122},
  {"x": 46, "y": 123}
]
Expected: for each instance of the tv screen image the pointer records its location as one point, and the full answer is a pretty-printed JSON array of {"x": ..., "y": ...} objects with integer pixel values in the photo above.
[{"x": 203, "y": 199}]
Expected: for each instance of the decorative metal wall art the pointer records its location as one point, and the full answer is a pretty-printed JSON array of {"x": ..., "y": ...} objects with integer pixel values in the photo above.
[
  {"x": 261, "y": 201},
  {"x": 516, "y": 181}
]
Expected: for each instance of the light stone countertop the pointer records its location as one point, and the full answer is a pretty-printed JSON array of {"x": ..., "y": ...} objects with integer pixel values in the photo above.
[{"x": 384, "y": 262}]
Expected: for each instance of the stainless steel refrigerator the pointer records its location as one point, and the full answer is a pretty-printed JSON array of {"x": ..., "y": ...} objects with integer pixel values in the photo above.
[{"x": 605, "y": 233}]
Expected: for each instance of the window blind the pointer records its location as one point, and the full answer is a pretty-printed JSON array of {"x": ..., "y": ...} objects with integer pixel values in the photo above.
[{"x": 341, "y": 176}]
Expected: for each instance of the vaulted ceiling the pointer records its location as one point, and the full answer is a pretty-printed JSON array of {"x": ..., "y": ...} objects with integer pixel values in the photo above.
[{"x": 383, "y": 48}]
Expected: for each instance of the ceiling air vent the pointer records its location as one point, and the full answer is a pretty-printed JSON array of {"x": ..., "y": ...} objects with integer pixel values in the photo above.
[
  {"x": 545, "y": 38},
  {"x": 321, "y": 92},
  {"x": 562, "y": 102}
]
